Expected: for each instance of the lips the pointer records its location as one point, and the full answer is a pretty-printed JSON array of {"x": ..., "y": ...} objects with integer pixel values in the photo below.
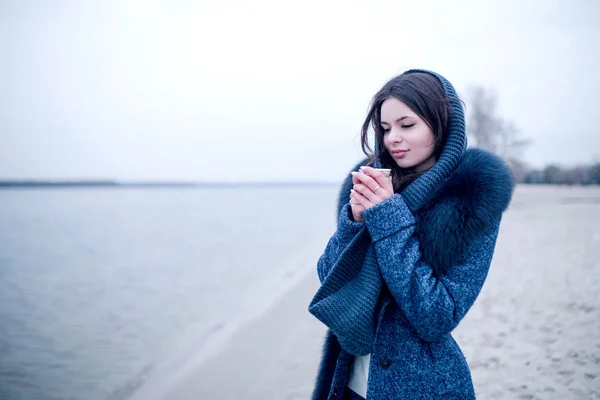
[{"x": 399, "y": 153}]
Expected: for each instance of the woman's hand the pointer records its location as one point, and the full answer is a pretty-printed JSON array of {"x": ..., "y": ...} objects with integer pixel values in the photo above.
[
  {"x": 356, "y": 207},
  {"x": 371, "y": 187}
]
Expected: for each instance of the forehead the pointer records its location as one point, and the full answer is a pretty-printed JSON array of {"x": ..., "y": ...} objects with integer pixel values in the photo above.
[{"x": 392, "y": 109}]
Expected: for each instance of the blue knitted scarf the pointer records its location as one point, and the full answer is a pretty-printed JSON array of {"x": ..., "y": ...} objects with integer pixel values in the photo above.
[{"x": 347, "y": 301}]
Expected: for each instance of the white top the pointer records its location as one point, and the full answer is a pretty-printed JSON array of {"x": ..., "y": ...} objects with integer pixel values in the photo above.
[{"x": 359, "y": 375}]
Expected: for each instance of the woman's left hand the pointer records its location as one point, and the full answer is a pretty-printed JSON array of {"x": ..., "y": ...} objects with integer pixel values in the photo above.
[{"x": 371, "y": 187}]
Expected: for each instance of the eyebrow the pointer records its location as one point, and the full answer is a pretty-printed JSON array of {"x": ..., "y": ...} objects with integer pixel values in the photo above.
[{"x": 398, "y": 120}]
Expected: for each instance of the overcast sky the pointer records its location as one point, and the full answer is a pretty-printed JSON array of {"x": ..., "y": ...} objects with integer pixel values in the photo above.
[{"x": 273, "y": 90}]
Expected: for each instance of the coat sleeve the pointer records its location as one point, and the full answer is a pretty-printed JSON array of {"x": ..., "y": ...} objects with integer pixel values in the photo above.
[
  {"x": 346, "y": 230},
  {"x": 433, "y": 305}
]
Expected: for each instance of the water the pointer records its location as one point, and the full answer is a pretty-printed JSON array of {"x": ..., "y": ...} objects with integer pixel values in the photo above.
[{"x": 100, "y": 287}]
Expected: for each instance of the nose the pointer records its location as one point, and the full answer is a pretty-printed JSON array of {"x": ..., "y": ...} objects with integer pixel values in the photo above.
[{"x": 396, "y": 135}]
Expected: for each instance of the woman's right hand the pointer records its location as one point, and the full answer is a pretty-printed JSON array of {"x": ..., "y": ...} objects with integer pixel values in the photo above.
[{"x": 357, "y": 208}]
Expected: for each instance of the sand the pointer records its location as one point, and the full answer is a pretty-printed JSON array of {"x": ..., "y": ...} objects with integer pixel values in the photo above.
[{"x": 534, "y": 332}]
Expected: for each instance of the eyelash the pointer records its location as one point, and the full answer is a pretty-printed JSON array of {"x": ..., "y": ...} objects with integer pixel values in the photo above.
[{"x": 403, "y": 127}]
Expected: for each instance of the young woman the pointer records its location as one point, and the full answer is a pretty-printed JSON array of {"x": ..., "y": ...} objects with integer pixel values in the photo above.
[{"x": 411, "y": 252}]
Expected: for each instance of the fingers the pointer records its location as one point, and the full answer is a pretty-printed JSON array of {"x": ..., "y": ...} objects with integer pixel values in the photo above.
[
  {"x": 355, "y": 179},
  {"x": 355, "y": 203},
  {"x": 366, "y": 192},
  {"x": 356, "y": 207},
  {"x": 366, "y": 180},
  {"x": 375, "y": 175},
  {"x": 360, "y": 199}
]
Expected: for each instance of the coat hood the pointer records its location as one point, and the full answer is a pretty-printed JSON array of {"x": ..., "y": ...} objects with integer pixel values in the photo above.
[{"x": 417, "y": 193}]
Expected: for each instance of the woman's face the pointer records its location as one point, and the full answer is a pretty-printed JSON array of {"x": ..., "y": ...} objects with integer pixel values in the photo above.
[{"x": 408, "y": 139}]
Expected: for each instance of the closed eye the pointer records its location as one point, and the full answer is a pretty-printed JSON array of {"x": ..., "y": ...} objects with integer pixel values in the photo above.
[{"x": 408, "y": 126}]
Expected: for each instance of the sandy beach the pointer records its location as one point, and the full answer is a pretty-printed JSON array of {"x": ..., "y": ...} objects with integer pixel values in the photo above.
[{"x": 534, "y": 332}]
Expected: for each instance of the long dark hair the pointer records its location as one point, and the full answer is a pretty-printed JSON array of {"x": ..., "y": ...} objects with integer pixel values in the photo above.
[{"x": 421, "y": 92}]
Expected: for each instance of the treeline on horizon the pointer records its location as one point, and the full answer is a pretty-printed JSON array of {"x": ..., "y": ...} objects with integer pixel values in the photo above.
[
  {"x": 493, "y": 133},
  {"x": 556, "y": 175}
]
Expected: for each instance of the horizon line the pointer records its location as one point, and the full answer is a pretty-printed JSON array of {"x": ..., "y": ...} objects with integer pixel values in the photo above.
[{"x": 121, "y": 183}]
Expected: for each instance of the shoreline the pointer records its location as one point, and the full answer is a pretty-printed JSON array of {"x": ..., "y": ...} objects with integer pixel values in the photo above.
[{"x": 212, "y": 365}]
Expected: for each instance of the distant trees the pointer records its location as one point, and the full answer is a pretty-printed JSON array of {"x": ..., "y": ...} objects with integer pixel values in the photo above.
[
  {"x": 492, "y": 132},
  {"x": 488, "y": 130},
  {"x": 556, "y": 175}
]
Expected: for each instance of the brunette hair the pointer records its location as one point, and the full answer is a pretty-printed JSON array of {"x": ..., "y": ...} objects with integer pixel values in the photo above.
[{"x": 422, "y": 93}]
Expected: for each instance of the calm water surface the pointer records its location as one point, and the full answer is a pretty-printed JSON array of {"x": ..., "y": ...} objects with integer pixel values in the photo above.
[{"x": 99, "y": 286}]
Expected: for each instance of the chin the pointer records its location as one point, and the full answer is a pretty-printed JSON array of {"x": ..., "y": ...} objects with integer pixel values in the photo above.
[{"x": 402, "y": 163}]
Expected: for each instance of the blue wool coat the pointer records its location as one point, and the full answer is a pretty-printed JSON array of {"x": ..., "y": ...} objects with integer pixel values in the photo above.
[{"x": 433, "y": 263}]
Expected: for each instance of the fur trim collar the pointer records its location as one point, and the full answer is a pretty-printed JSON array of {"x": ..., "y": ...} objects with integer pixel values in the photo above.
[{"x": 467, "y": 203}]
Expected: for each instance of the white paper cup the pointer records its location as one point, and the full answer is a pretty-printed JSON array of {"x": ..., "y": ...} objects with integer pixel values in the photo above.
[{"x": 385, "y": 171}]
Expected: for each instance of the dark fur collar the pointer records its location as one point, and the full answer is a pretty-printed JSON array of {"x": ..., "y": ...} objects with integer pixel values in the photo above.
[{"x": 471, "y": 200}]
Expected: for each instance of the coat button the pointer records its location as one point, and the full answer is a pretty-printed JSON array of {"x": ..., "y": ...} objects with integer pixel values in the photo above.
[
  {"x": 335, "y": 393},
  {"x": 385, "y": 363}
]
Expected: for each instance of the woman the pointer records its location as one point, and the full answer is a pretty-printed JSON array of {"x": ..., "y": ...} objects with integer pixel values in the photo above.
[{"x": 411, "y": 252}]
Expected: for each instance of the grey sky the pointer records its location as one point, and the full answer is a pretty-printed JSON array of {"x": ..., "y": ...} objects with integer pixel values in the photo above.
[{"x": 272, "y": 90}]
